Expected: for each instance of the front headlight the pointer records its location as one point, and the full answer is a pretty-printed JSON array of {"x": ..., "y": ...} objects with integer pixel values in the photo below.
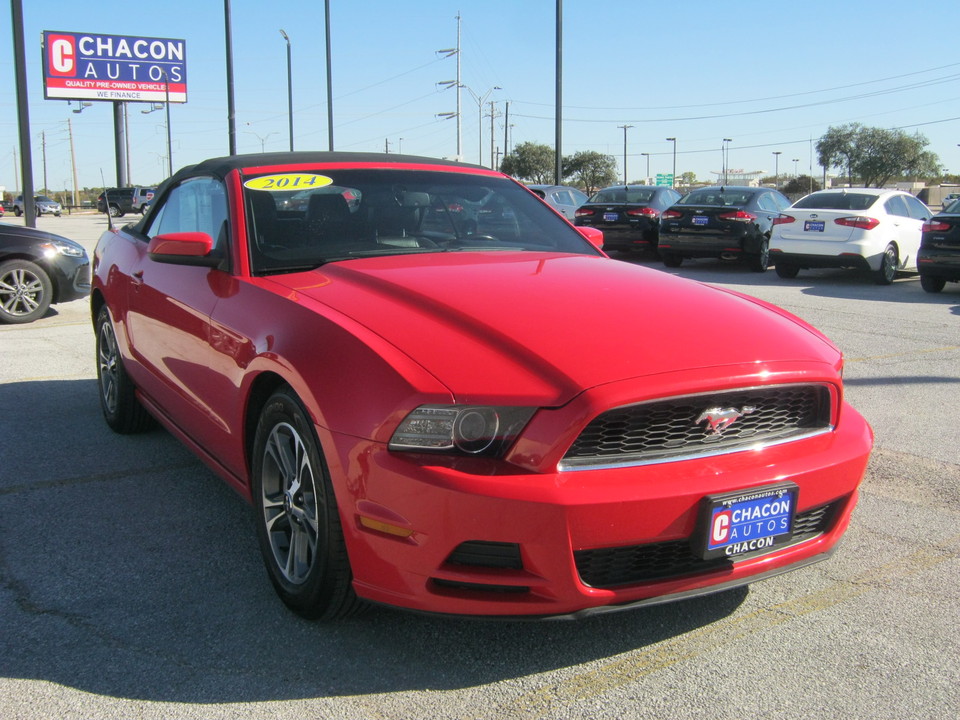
[
  {"x": 60, "y": 247},
  {"x": 468, "y": 429}
]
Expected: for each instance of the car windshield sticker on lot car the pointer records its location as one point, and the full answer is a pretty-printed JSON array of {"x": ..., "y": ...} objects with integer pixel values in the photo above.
[
  {"x": 288, "y": 181},
  {"x": 744, "y": 522}
]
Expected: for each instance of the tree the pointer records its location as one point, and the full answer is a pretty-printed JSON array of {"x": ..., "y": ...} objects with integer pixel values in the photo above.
[
  {"x": 531, "y": 162},
  {"x": 876, "y": 155},
  {"x": 800, "y": 185},
  {"x": 687, "y": 179},
  {"x": 591, "y": 170}
]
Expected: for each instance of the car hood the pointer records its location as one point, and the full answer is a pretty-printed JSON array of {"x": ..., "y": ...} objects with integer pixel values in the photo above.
[{"x": 541, "y": 328}]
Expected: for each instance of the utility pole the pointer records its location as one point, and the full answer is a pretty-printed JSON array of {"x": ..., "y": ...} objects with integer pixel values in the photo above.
[
  {"x": 493, "y": 114},
  {"x": 43, "y": 149},
  {"x": 625, "y": 128},
  {"x": 506, "y": 129},
  {"x": 73, "y": 162}
]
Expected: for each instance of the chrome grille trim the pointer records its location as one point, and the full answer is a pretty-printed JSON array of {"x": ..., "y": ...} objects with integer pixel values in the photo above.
[{"x": 690, "y": 444}]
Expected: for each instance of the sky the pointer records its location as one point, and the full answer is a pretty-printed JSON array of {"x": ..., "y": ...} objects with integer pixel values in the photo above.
[{"x": 771, "y": 76}]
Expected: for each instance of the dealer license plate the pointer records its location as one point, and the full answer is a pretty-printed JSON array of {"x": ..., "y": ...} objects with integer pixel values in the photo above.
[
  {"x": 700, "y": 220},
  {"x": 746, "y": 521},
  {"x": 611, "y": 217},
  {"x": 813, "y": 225}
]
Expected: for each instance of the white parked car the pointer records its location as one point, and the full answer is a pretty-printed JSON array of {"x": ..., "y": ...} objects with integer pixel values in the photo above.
[{"x": 872, "y": 229}]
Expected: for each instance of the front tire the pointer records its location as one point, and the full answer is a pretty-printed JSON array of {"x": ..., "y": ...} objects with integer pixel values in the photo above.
[
  {"x": 25, "y": 292},
  {"x": 298, "y": 523},
  {"x": 888, "y": 266},
  {"x": 932, "y": 284},
  {"x": 118, "y": 400}
]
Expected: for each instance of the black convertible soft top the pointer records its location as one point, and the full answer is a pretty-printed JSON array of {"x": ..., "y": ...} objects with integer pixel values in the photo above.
[{"x": 221, "y": 166}]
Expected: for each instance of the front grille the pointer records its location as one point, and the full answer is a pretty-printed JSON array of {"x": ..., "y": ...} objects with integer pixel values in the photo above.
[
  {"x": 612, "y": 567},
  {"x": 678, "y": 428}
]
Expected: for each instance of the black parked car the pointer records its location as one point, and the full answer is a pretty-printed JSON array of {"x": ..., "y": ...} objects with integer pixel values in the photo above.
[
  {"x": 36, "y": 269},
  {"x": 629, "y": 215},
  {"x": 732, "y": 223},
  {"x": 938, "y": 259}
]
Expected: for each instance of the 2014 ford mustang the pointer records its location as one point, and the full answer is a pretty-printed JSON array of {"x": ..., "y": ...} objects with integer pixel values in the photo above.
[{"x": 439, "y": 395}]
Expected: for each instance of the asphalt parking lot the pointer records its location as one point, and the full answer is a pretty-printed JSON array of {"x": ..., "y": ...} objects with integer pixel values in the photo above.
[{"x": 131, "y": 584}]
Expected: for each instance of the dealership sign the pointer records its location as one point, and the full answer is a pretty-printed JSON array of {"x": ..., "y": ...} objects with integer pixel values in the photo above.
[{"x": 84, "y": 66}]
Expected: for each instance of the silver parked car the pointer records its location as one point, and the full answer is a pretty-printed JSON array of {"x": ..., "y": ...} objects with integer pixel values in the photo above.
[
  {"x": 565, "y": 200},
  {"x": 43, "y": 204}
]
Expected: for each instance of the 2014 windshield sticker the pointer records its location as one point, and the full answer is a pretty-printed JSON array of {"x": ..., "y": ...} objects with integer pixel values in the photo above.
[{"x": 287, "y": 181}]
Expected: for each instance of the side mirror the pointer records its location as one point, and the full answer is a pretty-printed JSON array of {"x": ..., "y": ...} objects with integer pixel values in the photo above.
[
  {"x": 186, "y": 248},
  {"x": 593, "y": 235}
]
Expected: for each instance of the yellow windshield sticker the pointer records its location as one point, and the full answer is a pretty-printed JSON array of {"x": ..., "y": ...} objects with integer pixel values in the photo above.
[{"x": 288, "y": 181}]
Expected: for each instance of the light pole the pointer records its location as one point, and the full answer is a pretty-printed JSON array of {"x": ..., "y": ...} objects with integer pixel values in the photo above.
[
  {"x": 725, "y": 151},
  {"x": 795, "y": 161},
  {"x": 625, "y": 128},
  {"x": 673, "y": 179},
  {"x": 166, "y": 106},
  {"x": 647, "y": 156},
  {"x": 776, "y": 172},
  {"x": 289, "y": 88},
  {"x": 263, "y": 139},
  {"x": 480, "y": 99}
]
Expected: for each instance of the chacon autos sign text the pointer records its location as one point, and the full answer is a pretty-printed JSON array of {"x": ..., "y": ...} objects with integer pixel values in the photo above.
[{"x": 85, "y": 66}]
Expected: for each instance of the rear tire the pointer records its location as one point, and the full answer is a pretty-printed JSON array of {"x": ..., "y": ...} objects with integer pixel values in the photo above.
[
  {"x": 787, "y": 271},
  {"x": 761, "y": 261},
  {"x": 932, "y": 284},
  {"x": 672, "y": 260},
  {"x": 888, "y": 266},
  {"x": 118, "y": 400}
]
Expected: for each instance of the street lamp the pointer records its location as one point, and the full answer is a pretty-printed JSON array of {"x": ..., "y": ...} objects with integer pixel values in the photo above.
[
  {"x": 795, "y": 161},
  {"x": 673, "y": 179},
  {"x": 647, "y": 156},
  {"x": 166, "y": 106},
  {"x": 480, "y": 100},
  {"x": 725, "y": 152},
  {"x": 263, "y": 139},
  {"x": 289, "y": 88},
  {"x": 625, "y": 128},
  {"x": 776, "y": 172}
]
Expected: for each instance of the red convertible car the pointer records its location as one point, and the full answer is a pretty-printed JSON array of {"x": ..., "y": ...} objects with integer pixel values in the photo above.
[{"x": 467, "y": 412}]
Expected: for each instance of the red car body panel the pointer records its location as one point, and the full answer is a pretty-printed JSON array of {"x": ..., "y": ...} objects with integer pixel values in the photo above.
[{"x": 365, "y": 342}]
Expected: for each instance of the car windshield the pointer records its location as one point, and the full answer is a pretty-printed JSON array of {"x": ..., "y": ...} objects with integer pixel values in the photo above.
[
  {"x": 298, "y": 220},
  {"x": 836, "y": 201},
  {"x": 718, "y": 197},
  {"x": 624, "y": 195}
]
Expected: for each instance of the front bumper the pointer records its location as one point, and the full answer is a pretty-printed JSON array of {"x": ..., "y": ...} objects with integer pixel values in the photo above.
[{"x": 484, "y": 538}]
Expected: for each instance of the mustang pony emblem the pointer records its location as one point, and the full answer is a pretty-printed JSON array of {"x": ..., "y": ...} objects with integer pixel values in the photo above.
[{"x": 719, "y": 419}]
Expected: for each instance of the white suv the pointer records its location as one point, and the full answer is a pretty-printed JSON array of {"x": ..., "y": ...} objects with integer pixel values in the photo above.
[{"x": 872, "y": 229}]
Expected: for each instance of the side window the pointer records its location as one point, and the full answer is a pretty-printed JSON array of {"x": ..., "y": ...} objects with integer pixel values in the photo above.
[
  {"x": 918, "y": 211},
  {"x": 766, "y": 203},
  {"x": 197, "y": 205},
  {"x": 896, "y": 206},
  {"x": 563, "y": 197}
]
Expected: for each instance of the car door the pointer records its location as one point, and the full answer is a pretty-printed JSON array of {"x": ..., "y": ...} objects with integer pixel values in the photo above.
[
  {"x": 920, "y": 213},
  {"x": 169, "y": 308},
  {"x": 906, "y": 229}
]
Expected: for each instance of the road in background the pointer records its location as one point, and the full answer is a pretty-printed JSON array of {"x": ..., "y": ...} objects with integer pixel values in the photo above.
[{"x": 131, "y": 584}]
